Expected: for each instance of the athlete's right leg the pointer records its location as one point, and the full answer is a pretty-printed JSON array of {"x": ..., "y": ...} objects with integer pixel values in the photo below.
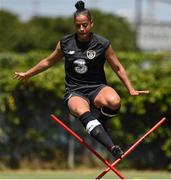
[{"x": 79, "y": 107}]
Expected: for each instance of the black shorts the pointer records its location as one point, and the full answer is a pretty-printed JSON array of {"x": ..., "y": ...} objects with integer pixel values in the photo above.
[{"x": 86, "y": 92}]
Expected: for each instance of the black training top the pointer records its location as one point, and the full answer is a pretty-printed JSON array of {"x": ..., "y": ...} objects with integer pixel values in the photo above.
[{"x": 84, "y": 61}]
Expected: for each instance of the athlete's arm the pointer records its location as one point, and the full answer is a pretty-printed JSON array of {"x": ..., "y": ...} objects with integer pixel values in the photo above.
[
  {"x": 120, "y": 71},
  {"x": 44, "y": 64}
]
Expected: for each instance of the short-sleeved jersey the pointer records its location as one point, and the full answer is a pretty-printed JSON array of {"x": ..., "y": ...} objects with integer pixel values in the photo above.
[{"x": 84, "y": 61}]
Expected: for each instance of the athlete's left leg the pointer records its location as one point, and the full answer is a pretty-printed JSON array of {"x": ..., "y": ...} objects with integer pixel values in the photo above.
[{"x": 109, "y": 102}]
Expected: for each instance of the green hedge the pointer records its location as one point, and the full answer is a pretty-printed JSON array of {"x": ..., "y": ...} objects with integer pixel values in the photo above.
[
  {"x": 27, "y": 131},
  {"x": 44, "y": 32}
]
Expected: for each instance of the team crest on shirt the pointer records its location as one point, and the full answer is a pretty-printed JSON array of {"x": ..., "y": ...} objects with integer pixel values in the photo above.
[{"x": 91, "y": 54}]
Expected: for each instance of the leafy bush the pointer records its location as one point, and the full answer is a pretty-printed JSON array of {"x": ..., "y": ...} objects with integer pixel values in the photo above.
[
  {"x": 25, "y": 109},
  {"x": 43, "y": 33}
]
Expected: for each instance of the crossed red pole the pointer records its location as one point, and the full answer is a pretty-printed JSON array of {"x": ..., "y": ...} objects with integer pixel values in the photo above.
[
  {"x": 110, "y": 166},
  {"x": 86, "y": 145}
]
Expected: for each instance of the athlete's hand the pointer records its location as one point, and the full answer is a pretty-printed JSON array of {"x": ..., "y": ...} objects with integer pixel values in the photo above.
[
  {"x": 22, "y": 76},
  {"x": 137, "y": 93}
]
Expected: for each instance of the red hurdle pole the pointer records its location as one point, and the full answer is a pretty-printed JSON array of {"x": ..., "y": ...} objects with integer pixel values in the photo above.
[
  {"x": 86, "y": 145},
  {"x": 133, "y": 146}
]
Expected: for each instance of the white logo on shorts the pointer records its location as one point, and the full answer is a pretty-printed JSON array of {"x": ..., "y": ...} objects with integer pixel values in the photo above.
[{"x": 71, "y": 52}]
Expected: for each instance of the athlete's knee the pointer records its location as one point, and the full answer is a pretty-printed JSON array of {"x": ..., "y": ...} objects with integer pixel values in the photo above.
[{"x": 114, "y": 102}]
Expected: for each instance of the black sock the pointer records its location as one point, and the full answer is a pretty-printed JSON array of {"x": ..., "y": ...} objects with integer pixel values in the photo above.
[
  {"x": 103, "y": 118},
  {"x": 106, "y": 114},
  {"x": 95, "y": 129}
]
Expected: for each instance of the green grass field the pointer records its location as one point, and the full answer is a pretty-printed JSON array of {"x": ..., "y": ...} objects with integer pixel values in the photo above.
[{"x": 81, "y": 174}]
